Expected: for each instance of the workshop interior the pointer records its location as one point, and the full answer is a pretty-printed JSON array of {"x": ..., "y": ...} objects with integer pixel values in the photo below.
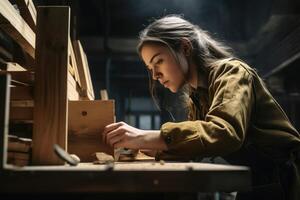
[{"x": 69, "y": 68}]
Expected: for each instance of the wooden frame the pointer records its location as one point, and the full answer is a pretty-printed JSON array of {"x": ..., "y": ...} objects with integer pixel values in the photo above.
[{"x": 51, "y": 83}]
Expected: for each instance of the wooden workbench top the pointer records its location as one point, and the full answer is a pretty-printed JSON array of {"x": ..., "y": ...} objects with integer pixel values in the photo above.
[{"x": 142, "y": 176}]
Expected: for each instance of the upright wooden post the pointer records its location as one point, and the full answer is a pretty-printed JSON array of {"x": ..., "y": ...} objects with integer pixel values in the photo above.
[
  {"x": 4, "y": 111},
  {"x": 51, "y": 80}
]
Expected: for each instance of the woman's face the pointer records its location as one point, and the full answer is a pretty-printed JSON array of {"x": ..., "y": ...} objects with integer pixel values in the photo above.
[{"x": 163, "y": 66}]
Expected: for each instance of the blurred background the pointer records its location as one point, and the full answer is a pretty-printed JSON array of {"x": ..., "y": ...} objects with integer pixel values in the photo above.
[{"x": 264, "y": 33}]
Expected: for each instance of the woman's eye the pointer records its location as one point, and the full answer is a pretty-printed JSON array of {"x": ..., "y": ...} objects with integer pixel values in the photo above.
[{"x": 159, "y": 61}]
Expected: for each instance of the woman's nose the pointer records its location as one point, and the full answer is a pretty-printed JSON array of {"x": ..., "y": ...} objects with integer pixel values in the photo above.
[{"x": 156, "y": 75}]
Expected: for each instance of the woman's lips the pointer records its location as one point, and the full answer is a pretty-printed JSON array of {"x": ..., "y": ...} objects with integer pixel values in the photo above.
[{"x": 165, "y": 83}]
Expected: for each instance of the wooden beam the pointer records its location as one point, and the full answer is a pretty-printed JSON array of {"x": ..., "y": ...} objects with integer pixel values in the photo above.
[
  {"x": 25, "y": 77},
  {"x": 11, "y": 66},
  {"x": 15, "y": 26},
  {"x": 4, "y": 114},
  {"x": 83, "y": 70},
  {"x": 73, "y": 94},
  {"x": 28, "y": 12},
  {"x": 73, "y": 63},
  {"x": 51, "y": 80}
]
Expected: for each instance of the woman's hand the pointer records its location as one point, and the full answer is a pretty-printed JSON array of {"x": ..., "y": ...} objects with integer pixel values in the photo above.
[{"x": 123, "y": 135}]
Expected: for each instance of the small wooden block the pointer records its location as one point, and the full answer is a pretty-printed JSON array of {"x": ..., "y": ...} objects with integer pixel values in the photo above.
[{"x": 87, "y": 120}]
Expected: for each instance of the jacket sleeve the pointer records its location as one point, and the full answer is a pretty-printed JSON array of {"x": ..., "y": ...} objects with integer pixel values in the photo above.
[{"x": 223, "y": 130}]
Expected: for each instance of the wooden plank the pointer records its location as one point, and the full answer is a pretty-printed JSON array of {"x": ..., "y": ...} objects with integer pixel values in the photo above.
[
  {"x": 28, "y": 12},
  {"x": 87, "y": 120},
  {"x": 21, "y": 113},
  {"x": 83, "y": 70},
  {"x": 126, "y": 177},
  {"x": 73, "y": 63},
  {"x": 73, "y": 94},
  {"x": 21, "y": 93},
  {"x": 51, "y": 81},
  {"x": 15, "y": 26},
  {"x": 6, "y": 55},
  {"x": 18, "y": 158},
  {"x": 11, "y": 66},
  {"x": 19, "y": 144},
  {"x": 4, "y": 114},
  {"x": 22, "y": 103},
  {"x": 25, "y": 77},
  {"x": 103, "y": 95}
]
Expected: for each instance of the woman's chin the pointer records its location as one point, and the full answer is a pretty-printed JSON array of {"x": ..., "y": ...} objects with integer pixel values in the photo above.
[{"x": 173, "y": 90}]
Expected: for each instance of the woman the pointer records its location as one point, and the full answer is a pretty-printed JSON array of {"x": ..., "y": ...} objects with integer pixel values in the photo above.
[{"x": 232, "y": 114}]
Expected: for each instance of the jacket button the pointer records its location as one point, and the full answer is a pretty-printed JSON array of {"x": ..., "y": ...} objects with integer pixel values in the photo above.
[{"x": 168, "y": 139}]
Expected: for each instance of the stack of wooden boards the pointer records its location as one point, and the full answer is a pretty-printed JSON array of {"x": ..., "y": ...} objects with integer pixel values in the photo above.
[
  {"x": 52, "y": 97},
  {"x": 19, "y": 150}
]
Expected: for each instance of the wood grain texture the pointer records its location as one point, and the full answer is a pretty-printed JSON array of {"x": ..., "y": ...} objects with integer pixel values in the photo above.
[
  {"x": 21, "y": 93},
  {"x": 28, "y": 12},
  {"x": 4, "y": 114},
  {"x": 73, "y": 63},
  {"x": 73, "y": 93},
  {"x": 51, "y": 80},
  {"x": 15, "y": 26},
  {"x": 21, "y": 77},
  {"x": 11, "y": 66},
  {"x": 128, "y": 177},
  {"x": 87, "y": 120},
  {"x": 83, "y": 70}
]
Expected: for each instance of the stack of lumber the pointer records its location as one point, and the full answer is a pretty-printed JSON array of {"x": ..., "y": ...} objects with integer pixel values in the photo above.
[{"x": 18, "y": 150}]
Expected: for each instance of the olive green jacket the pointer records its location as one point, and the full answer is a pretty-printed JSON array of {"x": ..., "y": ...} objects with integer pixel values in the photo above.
[{"x": 232, "y": 111}]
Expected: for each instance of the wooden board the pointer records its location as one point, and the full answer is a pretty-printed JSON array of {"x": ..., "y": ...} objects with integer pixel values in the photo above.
[
  {"x": 25, "y": 78},
  {"x": 87, "y": 120},
  {"x": 4, "y": 114},
  {"x": 18, "y": 158},
  {"x": 15, "y": 26},
  {"x": 51, "y": 80},
  {"x": 28, "y": 12},
  {"x": 73, "y": 94},
  {"x": 5, "y": 55},
  {"x": 21, "y": 93},
  {"x": 19, "y": 144},
  {"x": 73, "y": 64},
  {"x": 83, "y": 70},
  {"x": 21, "y": 113},
  {"x": 11, "y": 66},
  {"x": 126, "y": 177}
]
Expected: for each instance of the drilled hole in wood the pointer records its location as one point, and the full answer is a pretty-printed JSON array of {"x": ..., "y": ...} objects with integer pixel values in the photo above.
[{"x": 84, "y": 113}]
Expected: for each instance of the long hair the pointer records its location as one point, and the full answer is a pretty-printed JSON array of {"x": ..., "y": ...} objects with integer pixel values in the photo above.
[{"x": 170, "y": 31}]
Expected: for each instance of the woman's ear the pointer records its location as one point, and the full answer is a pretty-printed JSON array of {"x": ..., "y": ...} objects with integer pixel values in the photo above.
[{"x": 186, "y": 47}]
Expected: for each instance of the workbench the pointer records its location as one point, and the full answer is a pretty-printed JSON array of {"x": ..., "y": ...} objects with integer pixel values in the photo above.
[{"x": 143, "y": 176}]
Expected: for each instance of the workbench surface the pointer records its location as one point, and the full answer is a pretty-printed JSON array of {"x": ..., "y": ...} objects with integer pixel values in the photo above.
[{"x": 142, "y": 176}]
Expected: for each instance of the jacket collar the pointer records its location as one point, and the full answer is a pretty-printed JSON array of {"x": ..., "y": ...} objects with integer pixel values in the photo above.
[{"x": 202, "y": 81}]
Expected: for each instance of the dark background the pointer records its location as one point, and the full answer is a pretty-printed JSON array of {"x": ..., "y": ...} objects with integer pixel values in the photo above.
[{"x": 264, "y": 33}]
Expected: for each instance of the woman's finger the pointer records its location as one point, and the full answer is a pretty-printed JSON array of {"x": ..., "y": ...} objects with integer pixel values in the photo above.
[
  {"x": 114, "y": 133},
  {"x": 109, "y": 128},
  {"x": 117, "y": 138}
]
